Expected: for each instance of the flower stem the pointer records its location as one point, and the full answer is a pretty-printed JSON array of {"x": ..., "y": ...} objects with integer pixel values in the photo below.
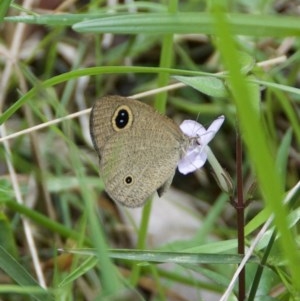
[{"x": 240, "y": 208}]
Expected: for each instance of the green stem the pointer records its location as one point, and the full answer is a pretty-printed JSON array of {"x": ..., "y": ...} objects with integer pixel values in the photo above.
[{"x": 142, "y": 238}]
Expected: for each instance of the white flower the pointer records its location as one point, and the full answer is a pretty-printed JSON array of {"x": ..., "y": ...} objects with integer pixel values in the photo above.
[{"x": 196, "y": 154}]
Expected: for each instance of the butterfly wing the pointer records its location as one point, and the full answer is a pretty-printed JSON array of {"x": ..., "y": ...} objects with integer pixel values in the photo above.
[{"x": 137, "y": 160}]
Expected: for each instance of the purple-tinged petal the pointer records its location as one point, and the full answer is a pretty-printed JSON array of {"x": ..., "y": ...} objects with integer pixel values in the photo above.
[
  {"x": 193, "y": 160},
  {"x": 192, "y": 128},
  {"x": 196, "y": 155},
  {"x": 212, "y": 130},
  {"x": 216, "y": 124}
]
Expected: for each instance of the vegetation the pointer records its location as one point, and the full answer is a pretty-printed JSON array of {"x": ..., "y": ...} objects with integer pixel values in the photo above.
[{"x": 61, "y": 238}]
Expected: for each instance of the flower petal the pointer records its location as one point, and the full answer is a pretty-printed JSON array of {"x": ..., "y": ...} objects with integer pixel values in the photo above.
[
  {"x": 194, "y": 159},
  {"x": 192, "y": 128},
  {"x": 216, "y": 124},
  {"x": 196, "y": 155},
  {"x": 212, "y": 130}
]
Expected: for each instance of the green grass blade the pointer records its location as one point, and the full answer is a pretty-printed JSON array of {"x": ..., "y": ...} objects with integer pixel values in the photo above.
[
  {"x": 88, "y": 72},
  {"x": 18, "y": 273},
  {"x": 255, "y": 135},
  {"x": 43, "y": 220},
  {"x": 165, "y": 256},
  {"x": 4, "y": 6},
  {"x": 190, "y": 22}
]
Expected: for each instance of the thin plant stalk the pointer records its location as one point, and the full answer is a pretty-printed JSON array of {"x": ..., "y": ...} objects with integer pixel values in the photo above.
[{"x": 240, "y": 208}]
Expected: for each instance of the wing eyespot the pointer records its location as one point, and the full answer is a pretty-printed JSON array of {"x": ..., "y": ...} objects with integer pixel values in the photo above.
[
  {"x": 122, "y": 118},
  {"x": 128, "y": 180}
]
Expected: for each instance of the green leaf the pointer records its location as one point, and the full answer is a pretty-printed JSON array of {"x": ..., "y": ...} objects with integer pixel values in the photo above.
[
  {"x": 160, "y": 257},
  {"x": 43, "y": 220},
  {"x": 190, "y": 22},
  {"x": 4, "y": 6},
  {"x": 87, "y": 72},
  {"x": 87, "y": 265},
  {"x": 70, "y": 19},
  {"x": 208, "y": 85},
  {"x": 18, "y": 273},
  {"x": 7, "y": 240},
  {"x": 246, "y": 61},
  {"x": 55, "y": 20}
]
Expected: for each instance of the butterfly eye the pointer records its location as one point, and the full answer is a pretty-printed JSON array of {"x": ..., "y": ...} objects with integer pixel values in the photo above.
[
  {"x": 128, "y": 180},
  {"x": 122, "y": 118}
]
